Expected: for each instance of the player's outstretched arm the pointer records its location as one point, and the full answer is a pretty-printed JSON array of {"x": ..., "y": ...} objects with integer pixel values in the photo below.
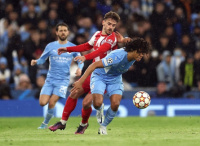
[
  {"x": 79, "y": 48},
  {"x": 101, "y": 50},
  {"x": 33, "y": 62},
  {"x": 78, "y": 84}
]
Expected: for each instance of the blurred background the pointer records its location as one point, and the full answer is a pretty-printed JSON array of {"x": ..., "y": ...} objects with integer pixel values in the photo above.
[{"x": 172, "y": 27}]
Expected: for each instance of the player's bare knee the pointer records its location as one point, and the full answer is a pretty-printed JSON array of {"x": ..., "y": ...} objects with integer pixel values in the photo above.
[
  {"x": 86, "y": 104},
  {"x": 97, "y": 105},
  {"x": 114, "y": 106},
  {"x": 42, "y": 103},
  {"x": 51, "y": 104}
]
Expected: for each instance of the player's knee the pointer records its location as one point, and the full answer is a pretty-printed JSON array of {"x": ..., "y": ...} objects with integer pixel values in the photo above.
[
  {"x": 97, "y": 105},
  {"x": 115, "y": 105},
  {"x": 87, "y": 104},
  {"x": 114, "y": 108},
  {"x": 51, "y": 104},
  {"x": 42, "y": 103}
]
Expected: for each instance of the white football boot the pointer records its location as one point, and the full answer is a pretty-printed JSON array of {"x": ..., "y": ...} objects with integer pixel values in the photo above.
[
  {"x": 100, "y": 115},
  {"x": 102, "y": 130}
]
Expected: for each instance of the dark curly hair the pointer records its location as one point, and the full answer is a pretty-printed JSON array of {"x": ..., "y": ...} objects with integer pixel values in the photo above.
[{"x": 138, "y": 44}]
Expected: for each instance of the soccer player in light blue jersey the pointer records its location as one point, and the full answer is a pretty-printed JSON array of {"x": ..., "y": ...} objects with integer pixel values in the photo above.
[
  {"x": 58, "y": 76},
  {"x": 107, "y": 75}
]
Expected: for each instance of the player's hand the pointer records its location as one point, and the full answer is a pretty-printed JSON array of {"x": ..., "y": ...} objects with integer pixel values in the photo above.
[
  {"x": 62, "y": 50},
  {"x": 76, "y": 86},
  {"x": 78, "y": 72},
  {"x": 33, "y": 62},
  {"x": 121, "y": 39},
  {"x": 81, "y": 59}
]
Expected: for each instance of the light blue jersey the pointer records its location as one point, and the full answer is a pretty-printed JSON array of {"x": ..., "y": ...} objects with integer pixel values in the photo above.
[
  {"x": 58, "y": 75},
  {"x": 109, "y": 78},
  {"x": 115, "y": 64},
  {"x": 59, "y": 67}
]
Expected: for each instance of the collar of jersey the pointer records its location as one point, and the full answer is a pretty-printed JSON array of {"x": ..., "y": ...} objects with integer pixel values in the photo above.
[{"x": 104, "y": 34}]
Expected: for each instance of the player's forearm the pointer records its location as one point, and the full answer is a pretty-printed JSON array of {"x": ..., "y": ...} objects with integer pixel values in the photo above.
[
  {"x": 40, "y": 61},
  {"x": 43, "y": 57},
  {"x": 90, "y": 69},
  {"x": 102, "y": 49},
  {"x": 80, "y": 48}
]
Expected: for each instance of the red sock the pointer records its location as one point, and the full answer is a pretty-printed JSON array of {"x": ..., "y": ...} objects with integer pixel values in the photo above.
[
  {"x": 86, "y": 115},
  {"x": 69, "y": 107}
]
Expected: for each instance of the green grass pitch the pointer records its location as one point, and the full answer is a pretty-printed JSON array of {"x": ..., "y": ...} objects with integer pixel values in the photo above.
[{"x": 130, "y": 131}]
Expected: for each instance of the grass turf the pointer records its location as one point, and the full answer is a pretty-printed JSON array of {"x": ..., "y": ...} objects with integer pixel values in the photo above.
[{"x": 133, "y": 131}]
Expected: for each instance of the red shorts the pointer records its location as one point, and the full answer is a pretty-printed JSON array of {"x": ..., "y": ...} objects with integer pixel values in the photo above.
[{"x": 86, "y": 85}]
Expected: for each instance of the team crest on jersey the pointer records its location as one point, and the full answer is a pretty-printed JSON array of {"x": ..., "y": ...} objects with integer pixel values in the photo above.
[
  {"x": 109, "y": 41},
  {"x": 109, "y": 60}
]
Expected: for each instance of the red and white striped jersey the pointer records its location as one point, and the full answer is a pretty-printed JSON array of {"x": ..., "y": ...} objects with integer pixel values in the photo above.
[{"x": 98, "y": 39}]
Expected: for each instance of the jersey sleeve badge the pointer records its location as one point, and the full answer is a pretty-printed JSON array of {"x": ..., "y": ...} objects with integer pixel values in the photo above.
[{"x": 109, "y": 60}]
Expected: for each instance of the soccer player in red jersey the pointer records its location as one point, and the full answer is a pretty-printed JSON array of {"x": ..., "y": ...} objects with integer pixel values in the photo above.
[{"x": 102, "y": 42}]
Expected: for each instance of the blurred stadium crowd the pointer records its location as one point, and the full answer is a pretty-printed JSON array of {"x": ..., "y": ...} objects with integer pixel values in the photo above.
[{"x": 172, "y": 27}]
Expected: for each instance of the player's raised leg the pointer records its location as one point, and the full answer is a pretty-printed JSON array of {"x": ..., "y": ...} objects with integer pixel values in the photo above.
[
  {"x": 43, "y": 100},
  {"x": 45, "y": 96},
  {"x": 52, "y": 102}
]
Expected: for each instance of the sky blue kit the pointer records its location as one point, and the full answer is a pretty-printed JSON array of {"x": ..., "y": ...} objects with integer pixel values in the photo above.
[{"x": 58, "y": 76}]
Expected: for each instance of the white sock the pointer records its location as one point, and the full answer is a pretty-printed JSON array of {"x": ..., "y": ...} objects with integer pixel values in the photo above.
[
  {"x": 83, "y": 124},
  {"x": 63, "y": 122}
]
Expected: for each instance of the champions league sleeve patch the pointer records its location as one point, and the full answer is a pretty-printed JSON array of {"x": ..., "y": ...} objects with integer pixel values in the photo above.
[{"x": 107, "y": 61}]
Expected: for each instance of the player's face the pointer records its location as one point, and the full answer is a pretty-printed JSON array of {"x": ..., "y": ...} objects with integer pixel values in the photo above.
[
  {"x": 109, "y": 26},
  {"x": 62, "y": 33},
  {"x": 137, "y": 55}
]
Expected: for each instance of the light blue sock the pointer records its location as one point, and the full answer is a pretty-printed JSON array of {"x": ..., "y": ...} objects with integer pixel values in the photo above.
[
  {"x": 48, "y": 116},
  {"x": 110, "y": 114}
]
